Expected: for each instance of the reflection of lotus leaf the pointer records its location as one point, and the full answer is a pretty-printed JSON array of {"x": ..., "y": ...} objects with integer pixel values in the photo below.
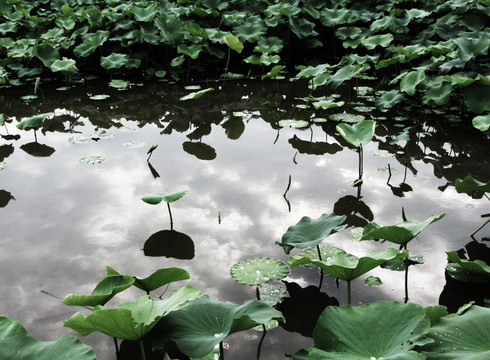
[
  {"x": 91, "y": 160},
  {"x": 200, "y": 150},
  {"x": 171, "y": 244},
  {"x": 38, "y": 150},
  {"x": 259, "y": 270},
  {"x": 5, "y": 198}
]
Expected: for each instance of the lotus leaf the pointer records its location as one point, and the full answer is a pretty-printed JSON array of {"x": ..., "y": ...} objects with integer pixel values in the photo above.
[
  {"x": 438, "y": 91},
  {"x": 411, "y": 80},
  {"x": 346, "y": 73},
  {"x": 477, "y": 98},
  {"x": 476, "y": 189},
  {"x": 259, "y": 270},
  {"x": 190, "y": 50},
  {"x": 271, "y": 294},
  {"x": 293, "y": 123},
  {"x": 310, "y": 232},
  {"x": 400, "y": 233},
  {"x": 145, "y": 14},
  {"x": 467, "y": 271},
  {"x": 92, "y": 159},
  {"x": 358, "y": 134},
  {"x": 114, "y": 61},
  {"x": 327, "y": 104},
  {"x": 251, "y": 31},
  {"x": 481, "y": 122},
  {"x": 435, "y": 313},
  {"x": 90, "y": 43},
  {"x": 460, "y": 337},
  {"x": 200, "y": 150},
  {"x": 274, "y": 72},
  {"x": 131, "y": 320},
  {"x": 15, "y": 344},
  {"x": 46, "y": 53},
  {"x": 383, "y": 40},
  {"x": 33, "y": 122},
  {"x": 347, "y": 117},
  {"x": 65, "y": 65},
  {"x": 470, "y": 47},
  {"x": 233, "y": 43},
  {"x": 373, "y": 281},
  {"x": 171, "y": 27},
  {"x": 326, "y": 253},
  {"x": 196, "y": 95},
  {"x": 119, "y": 84},
  {"x": 346, "y": 332},
  {"x": 204, "y": 323},
  {"x": 105, "y": 290},
  {"x": 157, "y": 198},
  {"x": 99, "y": 97}
]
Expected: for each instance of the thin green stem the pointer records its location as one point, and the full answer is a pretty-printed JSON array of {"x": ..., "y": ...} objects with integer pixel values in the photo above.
[
  {"x": 361, "y": 159},
  {"x": 479, "y": 228},
  {"x": 321, "y": 270},
  {"x": 142, "y": 350},
  {"x": 171, "y": 218},
  {"x": 221, "y": 351},
  {"x": 349, "y": 295}
]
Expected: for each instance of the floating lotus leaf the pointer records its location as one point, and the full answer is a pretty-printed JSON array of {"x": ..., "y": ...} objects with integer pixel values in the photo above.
[
  {"x": 347, "y": 117},
  {"x": 92, "y": 159},
  {"x": 400, "y": 233},
  {"x": 272, "y": 294},
  {"x": 204, "y": 323},
  {"x": 259, "y": 270},
  {"x": 99, "y": 97},
  {"x": 105, "y": 290},
  {"x": 157, "y": 198},
  {"x": 476, "y": 189},
  {"x": 401, "y": 265},
  {"x": 310, "y": 232},
  {"x": 358, "y": 134},
  {"x": 131, "y": 320},
  {"x": 327, "y": 104},
  {"x": 410, "y": 81},
  {"x": 347, "y": 332},
  {"x": 15, "y": 344},
  {"x": 33, "y": 122},
  {"x": 119, "y": 84},
  {"x": 196, "y": 95},
  {"x": 460, "y": 337},
  {"x": 298, "y": 124},
  {"x": 467, "y": 271},
  {"x": 133, "y": 144}
]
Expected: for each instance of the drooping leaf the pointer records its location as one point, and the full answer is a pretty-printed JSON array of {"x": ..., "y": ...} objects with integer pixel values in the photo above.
[
  {"x": 90, "y": 43},
  {"x": 131, "y": 320},
  {"x": 15, "y": 344},
  {"x": 157, "y": 198},
  {"x": 346, "y": 332},
  {"x": 259, "y": 270},
  {"x": 400, "y": 233},
  {"x": 105, "y": 290},
  {"x": 196, "y": 95},
  {"x": 476, "y": 189},
  {"x": 467, "y": 271},
  {"x": 192, "y": 51},
  {"x": 204, "y": 323},
  {"x": 358, "y": 134},
  {"x": 326, "y": 253},
  {"x": 310, "y": 232},
  {"x": 460, "y": 337}
]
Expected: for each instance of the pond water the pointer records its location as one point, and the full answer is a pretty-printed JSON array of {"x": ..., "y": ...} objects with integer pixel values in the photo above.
[{"x": 63, "y": 221}]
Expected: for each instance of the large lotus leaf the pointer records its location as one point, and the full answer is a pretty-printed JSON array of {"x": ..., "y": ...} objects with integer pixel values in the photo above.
[
  {"x": 105, "y": 290},
  {"x": 310, "y": 232},
  {"x": 171, "y": 27},
  {"x": 476, "y": 189},
  {"x": 358, "y": 134},
  {"x": 382, "y": 40},
  {"x": 326, "y": 253},
  {"x": 204, "y": 323},
  {"x": 400, "y": 233},
  {"x": 477, "y": 98},
  {"x": 481, "y": 122},
  {"x": 466, "y": 270},
  {"x": 157, "y": 198},
  {"x": 90, "y": 43},
  {"x": 114, "y": 61},
  {"x": 146, "y": 13},
  {"x": 46, "y": 53},
  {"x": 192, "y": 51},
  {"x": 381, "y": 330},
  {"x": 269, "y": 45},
  {"x": 345, "y": 73},
  {"x": 259, "y": 270},
  {"x": 312, "y": 71},
  {"x": 438, "y": 91},
  {"x": 348, "y": 267},
  {"x": 233, "y": 43},
  {"x": 131, "y": 320},
  {"x": 389, "y": 99},
  {"x": 65, "y": 65},
  {"x": 33, "y": 122},
  {"x": 461, "y": 337},
  {"x": 159, "y": 278},
  {"x": 251, "y": 31},
  {"x": 16, "y": 344},
  {"x": 410, "y": 81},
  {"x": 470, "y": 47},
  {"x": 336, "y": 16}
]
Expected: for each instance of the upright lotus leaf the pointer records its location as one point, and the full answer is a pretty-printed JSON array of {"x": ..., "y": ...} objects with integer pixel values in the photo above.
[
  {"x": 481, "y": 122},
  {"x": 400, "y": 233},
  {"x": 477, "y": 271},
  {"x": 131, "y": 320},
  {"x": 410, "y": 81},
  {"x": 381, "y": 330},
  {"x": 476, "y": 189},
  {"x": 233, "y": 43},
  {"x": 457, "y": 337},
  {"x": 157, "y": 198},
  {"x": 15, "y": 344},
  {"x": 192, "y": 51},
  {"x": 310, "y": 232},
  {"x": 345, "y": 73},
  {"x": 114, "y": 61},
  {"x": 46, "y": 53},
  {"x": 438, "y": 91},
  {"x": 469, "y": 48},
  {"x": 251, "y": 31},
  {"x": 326, "y": 253},
  {"x": 358, "y": 134},
  {"x": 204, "y": 323},
  {"x": 105, "y": 290},
  {"x": 383, "y": 40},
  {"x": 477, "y": 97},
  {"x": 33, "y": 122},
  {"x": 90, "y": 43},
  {"x": 146, "y": 13},
  {"x": 65, "y": 65},
  {"x": 159, "y": 278},
  {"x": 259, "y": 270},
  {"x": 348, "y": 267},
  {"x": 171, "y": 28}
]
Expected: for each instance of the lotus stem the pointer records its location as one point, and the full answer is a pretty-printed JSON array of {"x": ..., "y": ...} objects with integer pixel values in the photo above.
[
  {"x": 142, "y": 350},
  {"x": 360, "y": 161},
  {"x": 479, "y": 228},
  {"x": 221, "y": 351},
  {"x": 349, "y": 295},
  {"x": 406, "y": 280},
  {"x": 321, "y": 270},
  {"x": 259, "y": 348},
  {"x": 171, "y": 218},
  {"x": 117, "y": 348}
]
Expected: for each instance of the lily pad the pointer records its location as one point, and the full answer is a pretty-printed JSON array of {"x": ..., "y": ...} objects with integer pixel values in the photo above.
[
  {"x": 294, "y": 123},
  {"x": 259, "y": 270},
  {"x": 347, "y": 117},
  {"x": 92, "y": 159},
  {"x": 133, "y": 144},
  {"x": 310, "y": 232},
  {"x": 157, "y": 198},
  {"x": 99, "y": 97}
]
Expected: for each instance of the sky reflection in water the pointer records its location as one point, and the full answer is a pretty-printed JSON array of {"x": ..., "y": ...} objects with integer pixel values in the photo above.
[{"x": 69, "y": 220}]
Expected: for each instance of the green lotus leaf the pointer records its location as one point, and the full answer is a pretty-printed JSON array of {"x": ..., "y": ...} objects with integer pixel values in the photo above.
[
  {"x": 190, "y": 50},
  {"x": 233, "y": 43},
  {"x": 33, "y": 122},
  {"x": 99, "y": 97},
  {"x": 272, "y": 294},
  {"x": 326, "y": 253},
  {"x": 346, "y": 73},
  {"x": 481, "y": 122},
  {"x": 119, "y": 84},
  {"x": 310, "y": 232},
  {"x": 477, "y": 98},
  {"x": 476, "y": 189},
  {"x": 400, "y": 233},
  {"x": 114, "y": 61},
  {"x": 298, "y": 124},
  {"x": 146, "y": 13},
  {"x": 259, "y": 270},
  {"x": 327, "y": 104},
  {"x": 274, "y": 72},
  {"x": 346, "y": 332},
  {"x": 438, "y": 91},
  {"x": 196, "y": 95},
  {"x": 348, "y": 267},
  {"x": 435, "y": 313},
  {"x": 131, "y": 320},
  {"x": 65, "y": 65},
  {"x": 470, "y": 47},
  {"x": 105, "y": 290},
  {"x": 460, "y": 337},
  {"x": 95, "y": 159},
  {"x": 411, "y": 80},
  {"x": 269, "y": 45},
  {"x": 15, "y": 343},
  {"x": 373, "y": 281},
  {"x": 90, "y": 43},
  {"x": 159, "y": 278},
  {"x": 383, "y": 40},
  {"x": 466, "y": 270},
  {"x": 462, "y": 80},
  {"x": 336, "y": 16},
  {"x": 358, "y": 134},
  {"x": 401, "y": 265},
  {"x": 157, "y": 198},
  {"x": 389, "y": 99},
  {"x": 46, "y": 53},
  {"x": 347, "y": 117},
  {"x": 171, "y": 28},
  {"x": 177, "y": 61},
  {"x": 251, "y": 31},
  {"x": 204, "y": 323}
]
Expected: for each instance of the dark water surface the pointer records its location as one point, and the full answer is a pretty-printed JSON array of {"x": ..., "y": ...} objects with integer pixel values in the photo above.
[{"x": 63, "y": 221}]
